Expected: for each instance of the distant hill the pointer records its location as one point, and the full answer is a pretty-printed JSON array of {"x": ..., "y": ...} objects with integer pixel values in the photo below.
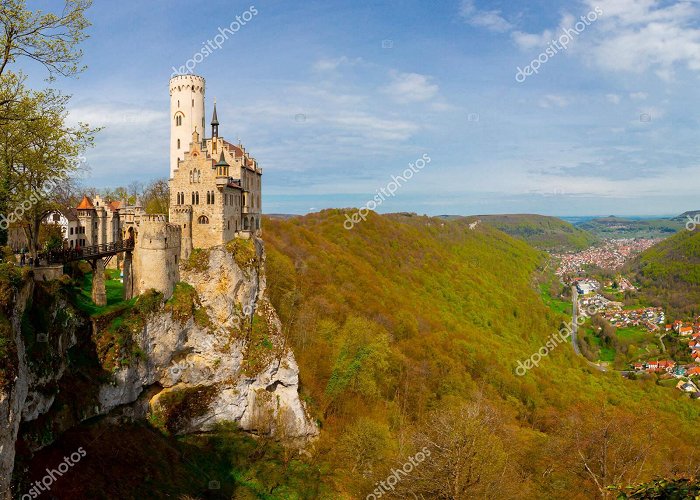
[
  {"x": 620, "y": 227},
  {"x": 686, "y": 215},
  {"x": 669, "y": 273},
  {"x": 542, "y": 232}
]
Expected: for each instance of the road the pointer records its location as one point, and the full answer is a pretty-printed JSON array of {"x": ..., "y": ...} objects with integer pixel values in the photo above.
[{"x": 574, "y": 330}]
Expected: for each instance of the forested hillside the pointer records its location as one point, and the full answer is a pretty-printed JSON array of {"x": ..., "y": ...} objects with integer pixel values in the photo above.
[
  {"x": 669, "y": 273},
  {"x": 408, "y": 331},
  {"x": 541, "y": 231},
  {"x": 620, "y": 227}
]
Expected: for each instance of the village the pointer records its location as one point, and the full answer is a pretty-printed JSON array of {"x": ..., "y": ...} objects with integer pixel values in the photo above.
[
  {"x": 651, "y": 319},
  {"x": 610, "y": 255}
]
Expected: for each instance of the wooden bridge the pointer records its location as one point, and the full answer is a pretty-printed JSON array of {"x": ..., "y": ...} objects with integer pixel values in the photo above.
[
  {"x": 104, "y": 251},
  {"x": 98, "y": 256}
]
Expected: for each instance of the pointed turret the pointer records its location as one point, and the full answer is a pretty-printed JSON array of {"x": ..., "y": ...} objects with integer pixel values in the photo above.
[
  {"x": 222, "y": 161},
  {"x": 214, "y": 123}
]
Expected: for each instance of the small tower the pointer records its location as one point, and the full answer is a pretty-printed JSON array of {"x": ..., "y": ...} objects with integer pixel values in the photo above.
[
  {"x": 187, "y": 94},
  {"x": 214, "y": 124},
  {"x": 221, "y": 172}
]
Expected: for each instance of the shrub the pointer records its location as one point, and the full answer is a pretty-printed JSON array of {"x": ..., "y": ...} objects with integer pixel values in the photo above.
[
  {"x": 243, "y": 252},
  {"x": 198, "y": 260}
]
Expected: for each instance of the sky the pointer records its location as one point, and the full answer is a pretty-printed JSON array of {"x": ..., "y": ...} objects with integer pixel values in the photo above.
[{"x": 336, "y": 98}]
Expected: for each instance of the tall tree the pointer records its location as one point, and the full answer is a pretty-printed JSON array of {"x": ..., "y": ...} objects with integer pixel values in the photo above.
[
  {"x": 38, "y": 157},
  {"x": 156, "y": 197},
  {"x": 50, "y": 39}
]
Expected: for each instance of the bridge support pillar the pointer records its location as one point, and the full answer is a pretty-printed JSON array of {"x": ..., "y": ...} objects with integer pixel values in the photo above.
[
  {"x": 128, "y": 276},
  {"x": 99, "y": 292}
]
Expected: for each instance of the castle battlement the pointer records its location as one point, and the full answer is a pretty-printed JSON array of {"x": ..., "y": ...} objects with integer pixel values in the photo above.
[
  {"x": 187, "y": 82},
  {"x": 154, "y": 218}
]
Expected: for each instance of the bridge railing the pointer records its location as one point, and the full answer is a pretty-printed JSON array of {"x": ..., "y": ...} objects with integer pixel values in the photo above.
[{"x": 91, "y": 252}]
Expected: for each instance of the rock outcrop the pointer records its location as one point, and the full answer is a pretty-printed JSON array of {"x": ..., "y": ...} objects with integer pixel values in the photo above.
[{"x": 214, "y": 352}]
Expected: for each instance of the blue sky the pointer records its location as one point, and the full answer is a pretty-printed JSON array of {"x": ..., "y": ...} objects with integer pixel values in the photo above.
[{"x": 335, "y": 97}]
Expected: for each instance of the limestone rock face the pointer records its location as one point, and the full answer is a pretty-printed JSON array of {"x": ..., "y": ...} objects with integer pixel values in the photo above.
[
  {"x": 225, "y": 362},
  {"x": 214, "y": 352},
  {"x": 12, "y": 398}
]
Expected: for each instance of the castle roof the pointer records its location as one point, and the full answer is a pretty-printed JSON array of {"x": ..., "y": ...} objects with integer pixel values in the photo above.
[
  {"x": 86, "y": 204},
  {"x": 114, "y": 205},
  {"x": 222, "y": 161},
  {"x": 214, "y": 118}
]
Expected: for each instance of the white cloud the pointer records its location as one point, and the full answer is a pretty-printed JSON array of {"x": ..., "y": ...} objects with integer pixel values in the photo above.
[
  {"x": 646, "y": 35},
  {"x": 613, "y": 98},
  {"x": 331, "y": 64},
  {"x": 528, "y": 41},
  {"x": 553, "y": 100},
  {"x": 114, "y": 115},
  {"x": 492, "y": 20},
  {"x": 638, "y": 96},
  {"x": 411, "y": 87}
]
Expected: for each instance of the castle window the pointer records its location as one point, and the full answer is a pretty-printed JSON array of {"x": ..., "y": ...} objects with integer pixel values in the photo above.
[
  {"x": 178, "y": 144},
  {"x": 192, "y": 197},
  {"x": 203, "y": 219},
  {"x": 196, "y": 198},
  {"x": 246, "y": 224},
  {"x": 212, "y": 197},
  {"x": 208, "y": 198},
  {"x": 178, "y": 120}
]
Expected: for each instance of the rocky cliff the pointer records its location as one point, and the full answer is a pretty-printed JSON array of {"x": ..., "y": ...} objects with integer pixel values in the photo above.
[{"x": 213, "y": 352}]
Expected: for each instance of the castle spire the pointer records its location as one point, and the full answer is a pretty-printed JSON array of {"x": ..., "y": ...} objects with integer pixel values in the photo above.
[{"x": 214, "y": 123}]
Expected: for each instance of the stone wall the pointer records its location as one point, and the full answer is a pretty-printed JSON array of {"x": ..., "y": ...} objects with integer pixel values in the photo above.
[{"x": 156, "y": 256}]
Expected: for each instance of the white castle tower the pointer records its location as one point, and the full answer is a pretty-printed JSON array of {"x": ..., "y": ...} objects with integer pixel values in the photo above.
[{"x": 186, "y": 114}]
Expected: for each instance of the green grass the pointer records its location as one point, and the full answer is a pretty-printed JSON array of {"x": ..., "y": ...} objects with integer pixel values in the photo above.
[
  {"x": 556, "y": 304},
  {"x": 634, "y": 335},
  {"x": 607, "y": 354},
  {"x": 115, "y": 294}
]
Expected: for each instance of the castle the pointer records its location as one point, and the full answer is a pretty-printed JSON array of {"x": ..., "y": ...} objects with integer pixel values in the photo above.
[
  {"x": 215, "y": 186},
  {"x": 215, "y": 196}
]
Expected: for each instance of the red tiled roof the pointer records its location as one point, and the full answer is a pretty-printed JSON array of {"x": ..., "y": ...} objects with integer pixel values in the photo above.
[
  {"x": 114, "y": 205},
  {"x": 86, "y": 204}
]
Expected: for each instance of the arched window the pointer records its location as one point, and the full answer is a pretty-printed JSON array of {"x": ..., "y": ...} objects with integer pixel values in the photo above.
[
  {"x": 212, "y": 197},
  {"x": 257, "y": 223},
  {"x": 203, "y": 219},
  {"x": 246, "y": 224},
  {"x": 178, "y": 120},
  {"x": 192, "y": 197},
  {"x": 196, "y": 198},
  {"x": 178, "y": 144}
]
